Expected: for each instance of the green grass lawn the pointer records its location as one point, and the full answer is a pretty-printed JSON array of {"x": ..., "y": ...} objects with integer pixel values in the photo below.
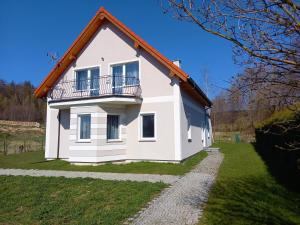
[
  {"x": 53, "y": 200},
  {"x": 35, "y": 160},
  {"x": 246, "y": 193}
]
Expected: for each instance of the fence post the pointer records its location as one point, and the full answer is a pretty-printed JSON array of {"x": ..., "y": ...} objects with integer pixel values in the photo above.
[
  {"x": 5, "y": 145},
  {"x": 24, "y": 142}
]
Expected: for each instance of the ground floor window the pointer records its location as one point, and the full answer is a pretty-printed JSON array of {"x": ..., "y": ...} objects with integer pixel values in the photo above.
[
  {"x": 147, "y": 126},
  {"x": 84, "y": 124},
  {"x": 113, "y": 130}
]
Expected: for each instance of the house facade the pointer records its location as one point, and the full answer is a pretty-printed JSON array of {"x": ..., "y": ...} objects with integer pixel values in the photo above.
[{"x": 113, "y": 97}]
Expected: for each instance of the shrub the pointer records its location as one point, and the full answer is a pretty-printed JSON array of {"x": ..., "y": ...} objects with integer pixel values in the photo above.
[{"x": 278, "y": 141}]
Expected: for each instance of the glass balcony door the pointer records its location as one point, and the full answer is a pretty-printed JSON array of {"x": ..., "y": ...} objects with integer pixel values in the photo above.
[
  {"x": 94, "y": 82},
  {"x": 87, "y": 81},
  {"x": 117, "y": 79},
  {"x": 124, "y": 77}
]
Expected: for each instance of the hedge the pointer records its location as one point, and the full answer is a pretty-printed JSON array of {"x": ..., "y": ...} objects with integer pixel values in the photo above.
[{"x": 278, "y": 142}]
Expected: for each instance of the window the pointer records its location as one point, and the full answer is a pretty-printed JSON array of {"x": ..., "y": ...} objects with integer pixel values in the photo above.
[
  {"x": 84, "y": 124},
  {"x": 81, "y": 80},
  {"x": 131, "y": 73},
  {"x": 84, "y": 76},
  {"x": 189, "y": 128},
  {"x": 125, "y": 74},
  {"x": 117, "y": 79},
  {"x": 148, "y": 126},
  {"x": 113, "y": 130},
  {"x": 95, "y": 79}
]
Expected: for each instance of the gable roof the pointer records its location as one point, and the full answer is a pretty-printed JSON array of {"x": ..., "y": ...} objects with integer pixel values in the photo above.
[{"x": 87, "y": 34}]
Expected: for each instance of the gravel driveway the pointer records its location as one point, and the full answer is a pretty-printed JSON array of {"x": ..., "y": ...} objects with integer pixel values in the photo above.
[
  {"x": 181, "y": 203},
  {"x": 168, "y": 179}
]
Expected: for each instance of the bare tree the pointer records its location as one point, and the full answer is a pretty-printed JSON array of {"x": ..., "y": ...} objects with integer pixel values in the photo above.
[
  {"x": 17, "y": 102},
  {"x": 205, "y": 77},
  {"x": 265, "y": 34}
]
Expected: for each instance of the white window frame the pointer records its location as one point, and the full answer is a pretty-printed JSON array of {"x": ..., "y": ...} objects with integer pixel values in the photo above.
[
  {"x": 110, "y": 66},
  {"x": 120, "y": 128},
  {"x": 88, "y": 68},
  {"x": 141, "y": 138},
  {"x": 189, "y": 128},
  {"x": 203, "y": 133},
  {"x": 79, "y": 127}
]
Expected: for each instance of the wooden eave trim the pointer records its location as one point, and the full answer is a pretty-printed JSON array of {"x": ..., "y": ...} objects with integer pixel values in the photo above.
[{"x": 64, "y": 60}]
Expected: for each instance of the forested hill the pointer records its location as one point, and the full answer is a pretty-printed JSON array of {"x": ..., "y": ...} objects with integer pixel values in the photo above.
[{"x": 17, "y": 102}]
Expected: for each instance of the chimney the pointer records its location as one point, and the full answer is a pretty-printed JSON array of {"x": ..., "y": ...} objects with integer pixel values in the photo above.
[{"x": 177, "y": 62}]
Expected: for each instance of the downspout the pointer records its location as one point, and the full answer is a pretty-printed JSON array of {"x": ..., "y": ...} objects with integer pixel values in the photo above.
[{"x": 208, "y": 113}]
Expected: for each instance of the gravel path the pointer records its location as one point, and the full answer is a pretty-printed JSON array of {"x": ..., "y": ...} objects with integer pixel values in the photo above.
[
  {"x": 182, "y": 202},
  {"x": 168, "y": 179}
]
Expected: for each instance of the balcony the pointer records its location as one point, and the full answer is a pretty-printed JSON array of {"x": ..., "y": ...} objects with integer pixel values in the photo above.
[{"x": 109, "y": 86}]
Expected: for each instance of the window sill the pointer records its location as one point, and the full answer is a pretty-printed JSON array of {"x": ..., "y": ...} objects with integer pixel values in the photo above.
[
  {"x": 147, "y": 140},
  {"x": 84, "y": 141},
  {"x": 113, "y": 140}
]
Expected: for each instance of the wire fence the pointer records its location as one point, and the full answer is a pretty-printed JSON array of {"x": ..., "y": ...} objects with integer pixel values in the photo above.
[
  {"x": 234, "y": 137},
  {"x": 19, "y": 144}
]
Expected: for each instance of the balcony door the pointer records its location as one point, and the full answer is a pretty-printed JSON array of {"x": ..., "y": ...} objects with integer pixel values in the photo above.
[
  {"x": 88, "y": 81},
  {"x": 125, "y": 77},
  {"x": 94, "y": 82},
  {"x": 117, "y": 79}
]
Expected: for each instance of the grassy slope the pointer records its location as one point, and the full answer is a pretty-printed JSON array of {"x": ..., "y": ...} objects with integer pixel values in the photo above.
[
  {"x": 35, "y": 160},
  {"x": 44, "y": 200},
  {"x": 245, "y": 192}
]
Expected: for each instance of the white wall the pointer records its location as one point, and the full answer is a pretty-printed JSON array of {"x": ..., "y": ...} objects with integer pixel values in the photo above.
[
  {"x": 110, "y": 46},
  {"x": 196, "y": 112},
  {"x": 160, "y": 149},
  {"x": 160, "y": 94},
  {"x": 98, "y": 148},
  {"x": 51, "y": 143},
  {"x": 107, "y": 47},
  {"x": 64, "y": 132}
]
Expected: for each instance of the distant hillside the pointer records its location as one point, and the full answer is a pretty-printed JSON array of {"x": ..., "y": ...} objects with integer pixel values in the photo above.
[{"x": 17, "y": 102}]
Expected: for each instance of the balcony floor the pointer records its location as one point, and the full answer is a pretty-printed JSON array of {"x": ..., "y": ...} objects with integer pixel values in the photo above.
[{"x": 109, "y": 99}]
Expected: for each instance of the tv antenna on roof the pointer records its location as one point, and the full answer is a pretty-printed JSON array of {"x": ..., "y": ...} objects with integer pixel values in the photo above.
[{"x": 53, "y": 56}]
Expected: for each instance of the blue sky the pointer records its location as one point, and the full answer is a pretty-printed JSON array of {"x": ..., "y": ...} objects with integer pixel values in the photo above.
[{"x": 31, "y": 28}]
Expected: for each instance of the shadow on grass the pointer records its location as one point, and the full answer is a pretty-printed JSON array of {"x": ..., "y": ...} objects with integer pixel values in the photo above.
[
  {"x": 42, "y": 162},
  {"x": 252, "y": 200},
  {"x": 282, "y": 165}
]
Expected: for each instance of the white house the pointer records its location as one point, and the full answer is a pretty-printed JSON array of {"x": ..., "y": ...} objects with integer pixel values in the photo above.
[{"x": 113, "y": 97}]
